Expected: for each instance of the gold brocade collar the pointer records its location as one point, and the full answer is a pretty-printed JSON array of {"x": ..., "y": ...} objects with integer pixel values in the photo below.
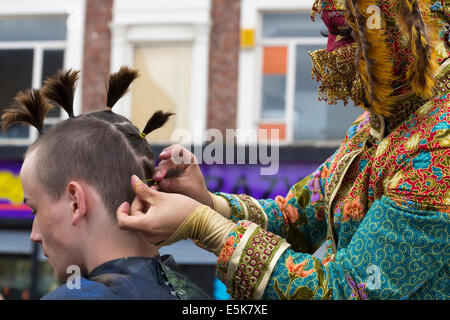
[{"x": 406, "y": 105}]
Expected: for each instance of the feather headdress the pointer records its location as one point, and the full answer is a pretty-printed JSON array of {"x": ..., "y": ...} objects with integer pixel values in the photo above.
[{"x": 397, "y": 50}]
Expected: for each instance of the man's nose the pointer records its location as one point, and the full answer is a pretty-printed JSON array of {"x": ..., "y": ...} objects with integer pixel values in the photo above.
[{"x": 35, "y": 235}]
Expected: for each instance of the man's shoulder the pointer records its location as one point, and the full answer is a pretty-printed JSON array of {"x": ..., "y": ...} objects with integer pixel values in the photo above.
[{"x": 86, "y": 290}]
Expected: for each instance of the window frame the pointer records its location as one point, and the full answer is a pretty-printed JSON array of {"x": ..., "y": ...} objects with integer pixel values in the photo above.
[
  {"x": 38, "y": 48},
  {"x": 136, "y": 24},
  {"x": 74, "y": 12},
  {"x": 291, "y": 44}
]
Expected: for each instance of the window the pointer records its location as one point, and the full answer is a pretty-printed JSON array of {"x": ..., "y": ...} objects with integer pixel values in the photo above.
[
  {"x": 31, "y": 49},
  {"x": 165, "y": 81},
  {"x": 288, "y": 94}
]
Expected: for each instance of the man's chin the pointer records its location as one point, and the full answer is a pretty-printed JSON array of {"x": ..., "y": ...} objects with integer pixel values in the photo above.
[{"x": 60, "y": 273}]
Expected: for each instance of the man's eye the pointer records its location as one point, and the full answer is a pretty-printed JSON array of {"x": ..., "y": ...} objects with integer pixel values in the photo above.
[{"x": 33, "y": 213}]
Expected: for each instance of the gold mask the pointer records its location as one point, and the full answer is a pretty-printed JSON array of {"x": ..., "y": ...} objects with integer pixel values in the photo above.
[{"x": 338, "y": 75}]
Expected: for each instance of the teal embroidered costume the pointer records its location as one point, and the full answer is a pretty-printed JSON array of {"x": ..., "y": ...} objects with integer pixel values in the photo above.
[{"x": 382, "y": 201}]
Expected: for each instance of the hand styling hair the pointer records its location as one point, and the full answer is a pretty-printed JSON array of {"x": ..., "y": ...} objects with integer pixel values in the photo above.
[{"x": 101, "y": 148}]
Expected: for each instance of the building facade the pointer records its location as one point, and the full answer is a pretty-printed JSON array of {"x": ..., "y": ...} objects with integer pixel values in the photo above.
[{"x": 231, "y": 69}]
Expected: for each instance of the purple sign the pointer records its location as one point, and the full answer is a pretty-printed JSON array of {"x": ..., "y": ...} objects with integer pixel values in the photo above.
[
  {"x": 247, "y": 179},
  {"x": 11, "y": 193}
]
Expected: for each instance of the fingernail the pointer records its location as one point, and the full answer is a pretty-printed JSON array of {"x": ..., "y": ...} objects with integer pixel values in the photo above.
[
  {"x": 163, "y": 153},
  {"x": 135, "y": 179},
  {"x": 157, "y": 175}
]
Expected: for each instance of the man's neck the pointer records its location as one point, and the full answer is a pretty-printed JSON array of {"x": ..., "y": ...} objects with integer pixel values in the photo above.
[{"x": 112, "y": 243}]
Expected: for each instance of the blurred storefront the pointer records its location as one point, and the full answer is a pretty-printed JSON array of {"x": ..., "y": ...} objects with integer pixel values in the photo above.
[
  {"x": 222, "y": 64},
  {"x": 36, "y": 40}
]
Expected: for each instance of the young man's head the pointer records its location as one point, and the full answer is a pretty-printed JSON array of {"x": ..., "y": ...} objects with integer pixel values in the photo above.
[{"x": 77, "y": 174}]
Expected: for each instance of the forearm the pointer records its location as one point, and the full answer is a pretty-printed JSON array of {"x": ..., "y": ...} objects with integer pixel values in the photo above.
[
  {"x": 206, "y": 227},
  {"x": 299, "y": 217},
  {"x": 221, "y": 205},
  {"x": 241, "y": 207},
  {"x": 303, "y": 227},
  {"x": 381, "y": 262}
]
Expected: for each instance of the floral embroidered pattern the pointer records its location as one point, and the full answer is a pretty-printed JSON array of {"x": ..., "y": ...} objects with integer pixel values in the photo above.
[
  {"x": 290, "y": 212},
  {"x": 295, "y": 271},
  {"x": 353, "y": 210},
  {"x": 232, "y": 241},
  {"x": 358, "y": 290},
  {"x": 381, "y": 202}
]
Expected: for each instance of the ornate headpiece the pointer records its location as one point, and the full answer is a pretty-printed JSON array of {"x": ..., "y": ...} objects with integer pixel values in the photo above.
[
  {"x": 326, "y": 5},
  {"x": 335, "y": 69},
  {"x": 399, "y": 45}
]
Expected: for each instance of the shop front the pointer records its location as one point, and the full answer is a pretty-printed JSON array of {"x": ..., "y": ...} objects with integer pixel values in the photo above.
[{"x": 24, "y": 272}]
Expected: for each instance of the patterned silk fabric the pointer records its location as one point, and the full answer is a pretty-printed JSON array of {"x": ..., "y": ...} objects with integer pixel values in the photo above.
[{"x": 382, "y": 201}]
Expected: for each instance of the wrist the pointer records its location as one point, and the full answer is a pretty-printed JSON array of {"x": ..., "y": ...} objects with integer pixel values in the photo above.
[
  {"x": 204, "y": 225},
  {"x": 210, "y": 229},
  {"x": 212, "y": 202},
  {"x": 220, "y": 204}
]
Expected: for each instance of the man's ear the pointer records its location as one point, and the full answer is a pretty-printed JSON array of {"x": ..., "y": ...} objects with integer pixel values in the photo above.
[{"x": 77, "y": 197}]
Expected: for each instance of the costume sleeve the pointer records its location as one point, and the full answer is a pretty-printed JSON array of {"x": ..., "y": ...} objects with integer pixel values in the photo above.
[
  {"x": 300, "y": 216},
  {"x": 399, "y": 250},
  {"x": 393, "y": 253}
]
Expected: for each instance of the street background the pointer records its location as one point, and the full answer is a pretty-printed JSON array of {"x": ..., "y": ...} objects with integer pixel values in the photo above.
[{"x": 221, "y": 64}]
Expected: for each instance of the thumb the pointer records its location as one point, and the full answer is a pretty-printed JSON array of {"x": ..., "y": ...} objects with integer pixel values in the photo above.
[{"x": 142, "y": 190}]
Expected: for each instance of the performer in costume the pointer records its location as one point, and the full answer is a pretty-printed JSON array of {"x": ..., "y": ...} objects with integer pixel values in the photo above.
[{"x": 382, "y": 200}]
